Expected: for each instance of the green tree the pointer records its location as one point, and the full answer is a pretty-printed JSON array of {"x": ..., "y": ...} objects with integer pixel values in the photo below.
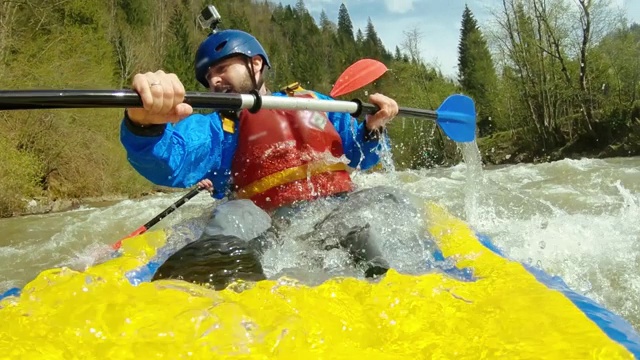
[
  {"x": 180, "y": 53},
  {"x": 345, "y": 27},
  {"x": 477, "y": 75},
  {"x": 137, "y": 12},
  {"x": 325, "y": 23},
  {"x": 372, "y": 45},
  {"x": 397, "y": 55}
]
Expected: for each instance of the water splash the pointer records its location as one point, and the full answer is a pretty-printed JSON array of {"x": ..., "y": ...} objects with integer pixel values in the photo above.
[
  {"x": 394, "y": 219},
  {"x": 631, "y": 203},
  {"x": 475, "y": 182},
  {"x": 386, "y": 156}
]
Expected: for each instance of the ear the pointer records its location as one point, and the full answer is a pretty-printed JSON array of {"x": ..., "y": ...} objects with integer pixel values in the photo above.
[{"x": 257, "y": 64}]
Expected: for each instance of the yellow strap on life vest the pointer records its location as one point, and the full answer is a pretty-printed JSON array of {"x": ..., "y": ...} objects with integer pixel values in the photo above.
[
  {"x": 286, "y": 176},
  {"x": 228, "y": 125},
  {"x": 291, "y": 88},
  {"x": 295, "y": 89}
]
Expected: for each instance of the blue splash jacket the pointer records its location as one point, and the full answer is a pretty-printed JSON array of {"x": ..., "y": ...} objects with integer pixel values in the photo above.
[{"x": 197, "y": 148}]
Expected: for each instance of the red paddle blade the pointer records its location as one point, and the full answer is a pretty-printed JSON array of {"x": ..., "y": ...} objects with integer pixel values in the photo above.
[
  {"x": 359, "y": 74},
  {"x": 138, "y": 231}
]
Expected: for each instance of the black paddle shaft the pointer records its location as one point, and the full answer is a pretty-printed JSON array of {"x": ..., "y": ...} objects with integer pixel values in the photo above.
[
  {"x": 370, "y": 109},
  {"x": 65, "y": 99},
  {"x": 172, "y": 208}
]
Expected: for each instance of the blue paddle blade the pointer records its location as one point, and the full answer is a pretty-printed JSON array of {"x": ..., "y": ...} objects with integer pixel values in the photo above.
[{"x": 457, "y": 118}]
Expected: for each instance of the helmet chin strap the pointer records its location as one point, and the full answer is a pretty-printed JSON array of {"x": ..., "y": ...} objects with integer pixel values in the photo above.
[{"x": 256, "y": 84}]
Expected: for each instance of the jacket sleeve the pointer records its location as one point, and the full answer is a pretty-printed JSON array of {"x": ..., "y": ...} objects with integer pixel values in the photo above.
[
  {"x": 179, "y": 156},
  {"x": 358, "y": 149}
]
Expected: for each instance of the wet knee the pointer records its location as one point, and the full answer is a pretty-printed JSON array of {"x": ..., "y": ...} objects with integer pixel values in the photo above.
[
  {"x": 214, "y": 260},
  {"x": 362, "y": 247}
]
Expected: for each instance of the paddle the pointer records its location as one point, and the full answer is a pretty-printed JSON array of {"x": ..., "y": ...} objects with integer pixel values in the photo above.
[
  {"x": 456, "y": 115},
  {"x": 362, "y": 73},
  {"x": 142, "y": 229}
]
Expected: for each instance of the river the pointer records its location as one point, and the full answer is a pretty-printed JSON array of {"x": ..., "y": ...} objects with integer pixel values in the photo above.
[{"x": 579, "y": 219}]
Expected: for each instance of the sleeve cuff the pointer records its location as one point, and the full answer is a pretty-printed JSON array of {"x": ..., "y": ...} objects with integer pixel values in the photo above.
[{"x": 148, "y": 130}]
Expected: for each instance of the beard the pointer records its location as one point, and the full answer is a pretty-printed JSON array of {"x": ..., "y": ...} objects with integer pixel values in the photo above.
[
  {"x": 242, "y": 86},
  {"x": 245, "y": 86}
]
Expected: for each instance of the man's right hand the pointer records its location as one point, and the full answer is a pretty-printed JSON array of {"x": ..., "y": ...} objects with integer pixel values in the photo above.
[{"x": 162, "y": 97}]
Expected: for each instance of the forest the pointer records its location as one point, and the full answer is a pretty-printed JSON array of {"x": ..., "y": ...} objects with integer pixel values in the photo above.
[{"x": 550, "y": 78}]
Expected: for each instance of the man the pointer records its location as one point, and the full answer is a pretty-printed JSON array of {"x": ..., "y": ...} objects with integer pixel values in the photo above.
[{"x": 274, "y": 158}]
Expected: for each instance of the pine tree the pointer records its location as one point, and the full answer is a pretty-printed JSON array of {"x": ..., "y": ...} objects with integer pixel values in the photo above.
[
  {"x": 137, "y": 12},
  {"x": 237, "y": 19},
  {"x": 345, "y": 27},
  {"x": 476, "y": 72},
  {"x": 300, "y": 7},
  {"x": 325, "y": 24},
  {"x": 180, "y": 54},
  {"x": 372, "y": 44},
  {"x": 359, "y": 37},
  {"x": 345, "y": 49},
  {"x": 305, "y": 38}
]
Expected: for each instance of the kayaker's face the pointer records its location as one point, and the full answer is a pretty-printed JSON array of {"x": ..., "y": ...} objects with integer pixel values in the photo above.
[{"x": 232, "y": 75}]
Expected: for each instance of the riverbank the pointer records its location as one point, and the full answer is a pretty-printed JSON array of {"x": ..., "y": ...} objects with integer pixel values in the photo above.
[
  {"x": 514, "y": 147},
  {"x": 43, "y": 205}
]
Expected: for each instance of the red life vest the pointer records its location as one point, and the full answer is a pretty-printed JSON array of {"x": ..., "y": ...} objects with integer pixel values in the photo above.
[{"x": 284, "y": 156}]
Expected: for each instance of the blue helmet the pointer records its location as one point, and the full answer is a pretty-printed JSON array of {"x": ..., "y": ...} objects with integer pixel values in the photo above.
[{"x": 222, "y": 44}]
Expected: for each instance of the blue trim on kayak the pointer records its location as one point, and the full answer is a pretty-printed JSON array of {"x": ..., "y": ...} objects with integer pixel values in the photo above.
[
  {"x": 143, "y": 273},
  {"x": 11, "y": 292},
  {"x": 617, "y": 328},
  {"x": 448, "y": 267}
]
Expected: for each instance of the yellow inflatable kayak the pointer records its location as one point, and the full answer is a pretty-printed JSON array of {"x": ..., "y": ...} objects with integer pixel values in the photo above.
[{"x": 502, "y": 309}]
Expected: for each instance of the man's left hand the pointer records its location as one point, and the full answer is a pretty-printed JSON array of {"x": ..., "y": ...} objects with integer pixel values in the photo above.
[
  {"x": 205, "y": 184},
  {"x": 388, "y": 110}
]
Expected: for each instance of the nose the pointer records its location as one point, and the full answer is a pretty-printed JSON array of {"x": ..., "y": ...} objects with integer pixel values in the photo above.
[{"x": 215, "y": 81}]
